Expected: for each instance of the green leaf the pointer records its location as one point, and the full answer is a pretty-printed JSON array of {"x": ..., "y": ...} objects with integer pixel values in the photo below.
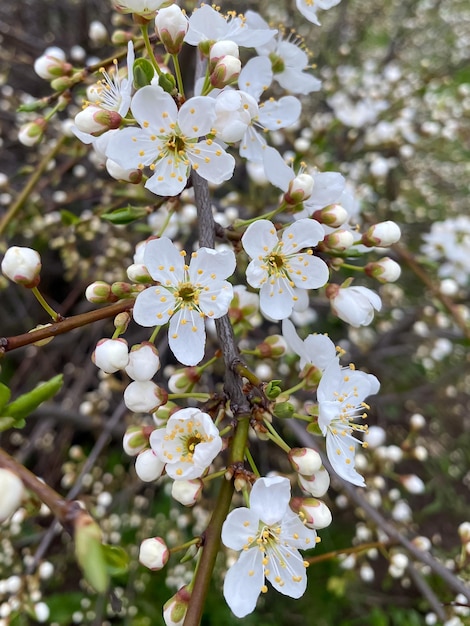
[
  {"x": 68, "y": 218},
  {"x": 5, "y": 394},
  {"x": 28, "y": 402},
  {"x": 90, "y": 554},
  {"x": 125, "y": 215},
  {"x": 167, "y": 82},
  {"x": 117, "y": 560},
  {"x": 143, "y": 73}
]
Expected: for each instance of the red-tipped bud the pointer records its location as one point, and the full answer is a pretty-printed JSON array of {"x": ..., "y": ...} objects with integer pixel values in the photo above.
[
  {"x": 144, "y": 396},
  {"x": 385, "y": 271},
  {"x": 135, "y": 440},
  {"x": 220, "y": 49},
  {"x": 382, "y": 234},
  {"x": 154, "y": 553},
  {"x": 99, "y": 292},
  {"x": 171, "y": 26},
  {"x": 148, "y": 466},
  {"x": 333, "y": 215},
  {"x": 226, "y": 71},
  {"x": 133, "y": 176},
  {"x": 52, "y": 64},
  {"x": 187, "y": 492},
  {"x": 144, "y": 361},
  {"x": 175, "y": 609},
  {"x": 183, "y": 380},
  {"x": 31, "y": 133},
  {"x": 317, "y": 484},
  {"x": 111, "y": 355},
  {"x": 337, "y": 241},
  {"x": 300, "y": 189},
  {"x": 95, "y": 120},
  {"x": 305, "y": 461},
  {"x": 138, "y": 273},
  {"x": 314, "y": 513},
  {"x": 273, "y": 347}
]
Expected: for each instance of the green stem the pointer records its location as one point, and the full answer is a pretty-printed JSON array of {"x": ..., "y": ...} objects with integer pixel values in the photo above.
[
  {"x": 354, "y": 268},
  {"x": 242, "y": 370},
  {"x": 145, "y": 34},
  {"x": 304, "y": 418},
  {"x": 275, "y": 437},
  {"x": 195, "y": 396},
  {"x": 179, "y": 77},
  {"x": 153, "y": 336},
  {"x": 289, "y": 392},
  {"x": 251, "y": 461},
  {"x": 56, "y": 317},
  {"x": 266, "y": 216}
]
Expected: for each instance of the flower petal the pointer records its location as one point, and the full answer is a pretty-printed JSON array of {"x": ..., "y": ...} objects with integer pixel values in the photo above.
[
  {"x": 187, "y": 336},
  {"x": 240, "y": 527},
  {"x": 150, "y": 309},
  {"x": 277, "y": 299},
  {"x": 279, "y": 114},
  {"x": 208, "y": 265},
  {"x": 341, "y": 451},
  {"x": 211, "y": 161},
  {"x": 259, "y": 238},
  {"x": 301, "y": 234},
  {"x": 197, "y": 116},
  {"x": 289, "y": 575},
  {"x": 154, "y": 109},
  {"x": 164, "y": 261},
  {"x": 308, "y": 272},
  {"x": 244, "y": 581},
  {"x": 269, "y": 498},
  {"x": 131, "y": 147}
]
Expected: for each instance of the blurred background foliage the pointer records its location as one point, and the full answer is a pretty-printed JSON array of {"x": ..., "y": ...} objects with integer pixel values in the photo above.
[{"x": 394, "y": 117}]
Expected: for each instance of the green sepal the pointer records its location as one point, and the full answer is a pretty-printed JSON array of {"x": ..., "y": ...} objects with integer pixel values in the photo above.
[
  {"x": 117, "y": 560},
  {"x": 273, "y": 389},
  {"x": 284, "y": 410},
  {"x": 314, "y": 429},
  {"x": 125, "y": 215},
  {"x": 90, "y": 554},
  {"x": 31, "y": 107},
  {"x": 143, "y": 73},
  {"x": 167, "y": 82},
  {"x": 28, "y": 402},
  {"x": 5, "y": 394}
]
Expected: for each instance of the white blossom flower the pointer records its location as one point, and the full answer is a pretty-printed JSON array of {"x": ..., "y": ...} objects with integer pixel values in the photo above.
[
  {"x": 208, "y": 25},
  {"x": 186, "y": 295},
  {"x": 309, "y": 8},
  {"x": 168, "y": 143},
  {"x": 288, "y": 60},
  {"x": 354, "y": 305},
  {"x": 341, "y": 398},
  {"x": 316, "y": 350},
  {"x": 188, "y": 444},
  {"x": 278, "y": 266},
  {"x": 269, "y": 535}
]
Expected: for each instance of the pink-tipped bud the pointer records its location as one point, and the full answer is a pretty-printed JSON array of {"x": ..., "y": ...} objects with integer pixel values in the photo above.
[
  {"x": 31, "y": 133},
  {"x": 138, "y": 273},
  {"x": 52, "y": 64},
  {"x": 148, "y": 466},
  {"x": 11, "y": 493},
  {"x": 121, "y": 290},
  {"x": 183, "y": 380},
  {"x": 300, "y": 189},
  {"x": 333, "y": 215},
  {"x": 382, "y": 234},
  {"x": 164, "y": 412},
  {"x": 187, "y": 492},
  {"x": 273, "y": 347},
  {"x": 385, "y": 271},
  {"x": 133, "y": 176},
  {"x": 171, "y": 26},
  {"x": 95, "y": 121},
  {"x": 111, "y": 355},
  {"x": 175, "y": 609},
  {"x": 64, "y": 82},
  {"x": 144, "y": 396},
  {"x": 413, "y": 484},
  {"x": 144, "y": 361},
  {"x": 121, "y": 321},
  {"x": 154, "y": 553},
  {"x": 22, "y": 266},
  {"x": 226, "y": 71},
  {"x": 337, "y": 241},
  {"x": 305, "y": 461},
  {"x": 220, "y": 49},
  {"x": 99, "y": 292},
  {"x": 314, "y": 513},
  {"x": 317, "y": 484},
  {"x": 135, "y": 440},
  {"x": 121, "y": 37}
]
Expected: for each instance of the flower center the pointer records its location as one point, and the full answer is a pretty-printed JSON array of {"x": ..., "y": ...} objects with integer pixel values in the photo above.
[
  {"x": 277, "y": 63},
  {"x": 187, "y": 293}
]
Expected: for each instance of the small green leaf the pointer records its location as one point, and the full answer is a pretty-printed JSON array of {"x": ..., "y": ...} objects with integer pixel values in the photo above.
[
  {"x": 90, "y": 554},
  {"x": 125, "y": 215},
  {"x": 5, "y": 394},
  {"x": 314, "y": 429},
  {"x": 143, "y": 73},
  {"x": 28, "y": 402},
  {"x": 117, "y": 560},
  {"x": 167, "y": 82},
  {"x": 68, "y": 218}
]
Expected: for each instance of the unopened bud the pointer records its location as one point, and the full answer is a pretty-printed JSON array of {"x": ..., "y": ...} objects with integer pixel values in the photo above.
[
  {"x": 333, "y": 215},
  {"x": 22, "y": 266},
  {"x": 171, "y": 26},
  {"x": 317, "y": 484},
  {"x": 31, "y": 133},
  {"x": 273, "y": 347},
  {"x": 64, "y": 82},
  {"x": 183, "y": 380},
  {"x": 164, "y": 412},
  {"x": 121, "y": 321},
  {"x": 305, "y": 461},
  {"x": 138, "y": 273},
  {"x": 314, "y": 513},
  {"x": 133, "y": 176},
  {"x": 111, "y": 355},
  {"x": 135, "y": 440},
  {"x": 11, "y": 493},
  {"x": 417, "y": 421},
  {"x": 144, "y": 396},
  {"x": 52, "y": 64},
  {"x": 121, "y": 37},
  {"x": 144, "y": 361},
  {"x": 187, "y": 492},
  {"x": 382, "y": 234},
  {"x": 300, "y": 189},
  {"x": 95, "y": 121},
  {"x": 148, "y": 466},
  {"x": 41, "y": 342},
  {"x": 284, "y": 410},
  {"x": 226, "y": 71},
  {"x": 220, "y": 49},
  {"x": 464, "y": 532},
  {"x": 413, "y": 484},
  {"x": 175, "y": 609},
  {"x": 337, "y": 241},
  {"x": 385, "y": 271},
  {"x": 121, "y": 290},
  {"x": 154, "y": 553},
  {"x": 99, "y": 292}
]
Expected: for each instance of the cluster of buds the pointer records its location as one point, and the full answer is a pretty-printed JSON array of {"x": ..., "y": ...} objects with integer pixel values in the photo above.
[{"x": 224, "y": 64}]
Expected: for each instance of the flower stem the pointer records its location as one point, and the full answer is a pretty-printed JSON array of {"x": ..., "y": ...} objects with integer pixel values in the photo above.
[
  {"x": 266, "y": 216},
  {"x": 179, "y": 78},
  {"x": 49, "y": 310},
  {"x": 145, "y": 34},
  {"x": 275, "y": 437},
  {"x": 251, "y": 461}
]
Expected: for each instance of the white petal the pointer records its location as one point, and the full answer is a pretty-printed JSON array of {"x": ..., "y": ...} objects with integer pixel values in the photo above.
[
  {"x": 277, "y": 171},
  {"x": 216, "y": 301},
  {"x": 277, "y": 299},
  {"x": 150, "y": 310},
  {"x": 252, "y": 145},
  {"x": 211, "y": 161},
  {"x": 301, "y": 234},
  {"x": 279, "y": 114},
  {"x": 256, "y": 274},
  {"x": 341, "y": 457},
  {"x": 270, "y": 497},
  {"x": 164, "y": 261},
  {"x": 291, "y": 580},
  {"x": 297, "y": 81},
  {"x": 259, "y": 238},
  {"x": 169, "y": 178},
  {"x": 240, "y": 527},
  {"x": 131, "y": 147},
  {"x": 208, "y": 265},
  {"x": 243, "y": 582},
  {"x": 256, "y": 76},
  {"x": 327, "y": 188},
  {"x": 155, "y": 109},
  {"x": 196, "y": 117},
  {"x": 187, "y": 336},
  {"x": 293, "y": 340},
  {"x": 309, "y": 272}
]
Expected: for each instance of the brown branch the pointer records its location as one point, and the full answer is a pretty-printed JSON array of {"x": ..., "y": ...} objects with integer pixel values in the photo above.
[{"x": 7, "y": 344}]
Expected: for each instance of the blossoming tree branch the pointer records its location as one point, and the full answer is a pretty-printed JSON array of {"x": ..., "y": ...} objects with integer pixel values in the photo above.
[{"x": 213, "y": 307}]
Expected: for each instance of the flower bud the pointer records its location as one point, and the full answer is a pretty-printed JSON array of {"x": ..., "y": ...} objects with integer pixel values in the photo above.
[
  {"x": 95, "y": 120},
  {"x": 317, "y": 484},
  {"x": 413, "y": 484},
  {"x": 464, "y": 532},
  {"x": 417, "y": 421},
  {"x": 314, "y": 513},
  {"x": 11, "y": 493},
  {"x": 121, "y": 290},
  {"x": 171, "y": 26},
  {"x": 220, "y": 49},
  {"x": 187, "y": 492},
  {"x": 52, "y": 64},
  {"x": 284, "y": 410},
  {"x": 305, "y": 461},
  {"x": 65, "y": 82},
  {"x": 121, "y": 321},
  {"x": 333, "y": 215},
  {"x": 145, "y": 10},
  {"x": 382, "y": 234},
  {"x": 135, "y": 440},
  {"x": 337, "y": 241},
  {"x": 300, "y": 189},
  {"x": 226, "y": 71},
  {"x": 183, "y": 380},
  {"x": 22, "y": 266},
  {"x": 385, "y": 271},
  {"x": 154, "y": 553},
  {"x": 144, "y": 361},
  {"x": 97, "y": 33},
  {"x": 144, "y": 396},
  {"x": 133, "y": 176},
  {"x": 148, "y": 466},
  {"x": 138, "y": 273},
  {"x": 99, "y": 292},
  {"x": 111, "y": 355},
  {"x": 175, "y": 609},
  {"x": 273, "y": 347},
  {"x": 31, "y": 133},
  {"x": 121, "y": 37},
  {"x": 164, "y": 412}
]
